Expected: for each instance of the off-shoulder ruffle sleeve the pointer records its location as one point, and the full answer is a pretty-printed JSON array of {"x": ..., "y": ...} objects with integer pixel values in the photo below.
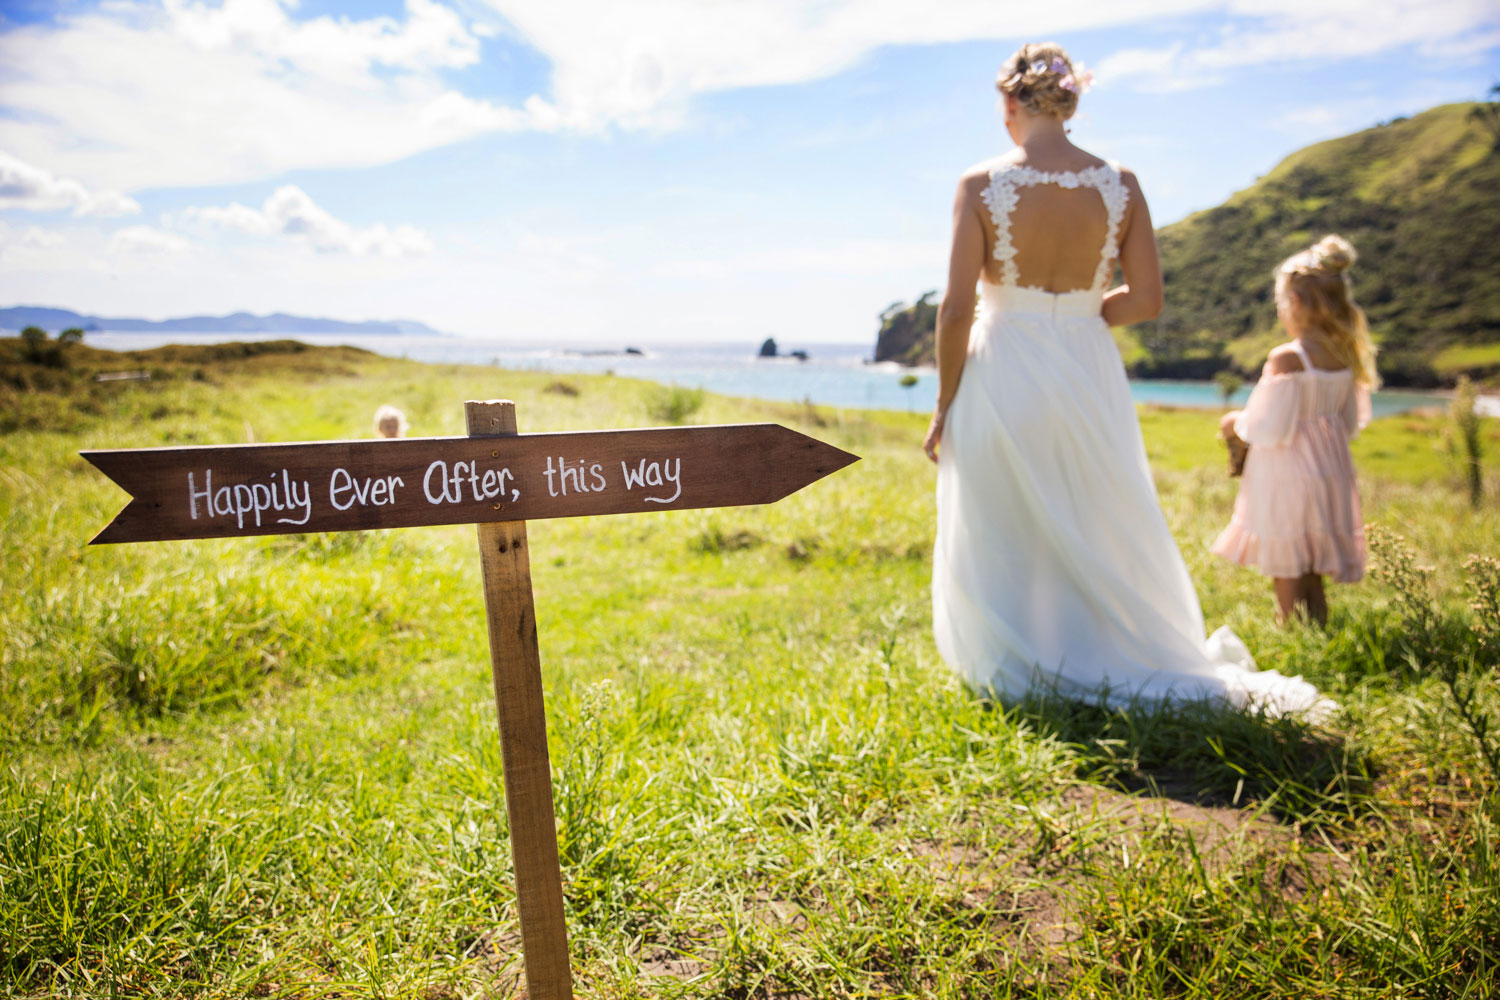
[
  {"x": 1356, "y": 411},
  {"x": 1269, "y": 418}
]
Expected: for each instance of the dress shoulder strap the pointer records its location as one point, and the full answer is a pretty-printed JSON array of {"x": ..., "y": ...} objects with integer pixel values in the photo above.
[
  {"x": 1116, "y": 196},
  {"x": 1000, "y": 198},
  {"x": 1302, "y": 353}
]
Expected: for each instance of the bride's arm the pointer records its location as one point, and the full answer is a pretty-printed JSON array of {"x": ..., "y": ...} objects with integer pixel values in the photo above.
[
  {"x": 1140, "y": 297},
  {"x": 955, "y": 315}
]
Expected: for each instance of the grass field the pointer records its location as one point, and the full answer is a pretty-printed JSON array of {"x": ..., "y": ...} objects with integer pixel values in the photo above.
[{"x": 269, "y": 767}]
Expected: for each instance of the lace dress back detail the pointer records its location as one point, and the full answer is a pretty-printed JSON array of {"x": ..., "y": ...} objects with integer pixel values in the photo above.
[{"x": 1003, "y": 194}]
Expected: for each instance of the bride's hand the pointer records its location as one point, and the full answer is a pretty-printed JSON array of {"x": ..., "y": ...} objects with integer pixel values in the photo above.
[{"x": 934, "y": 434}]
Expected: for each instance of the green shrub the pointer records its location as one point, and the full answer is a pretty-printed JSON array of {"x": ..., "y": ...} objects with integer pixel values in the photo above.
[
  {"x": 32, "y": 339},
  {"x": 36, "y": 349},
  {"x": 1466, "y": 430},
  {"x": 1456, "y": 653},
  {"x": 673, "y": 404}
]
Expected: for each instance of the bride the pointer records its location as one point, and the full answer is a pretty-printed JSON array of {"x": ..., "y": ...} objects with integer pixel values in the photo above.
[{"x": 1054, "y": 566}]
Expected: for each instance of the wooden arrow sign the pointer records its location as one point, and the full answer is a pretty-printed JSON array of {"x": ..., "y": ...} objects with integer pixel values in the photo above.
[
  {"x": 277, "y": 489},
  {"x": 499, "y": 479}
]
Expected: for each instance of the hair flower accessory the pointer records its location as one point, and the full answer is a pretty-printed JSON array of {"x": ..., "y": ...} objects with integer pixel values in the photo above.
[
  {"x": 1079, "y": 81},
  {"x": 1075, "y": 79}
]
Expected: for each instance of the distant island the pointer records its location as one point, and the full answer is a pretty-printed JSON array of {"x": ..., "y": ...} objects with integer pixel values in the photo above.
[
  {"x": 52, "y": 320},
  {"x": 768, "y": 349},
  {"x": 1418, "y": 197}
]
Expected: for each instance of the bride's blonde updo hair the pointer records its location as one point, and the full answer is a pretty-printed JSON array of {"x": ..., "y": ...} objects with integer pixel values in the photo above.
[
  {"x": 1317, "y": 277},
  {"x": 1040, "y": 93}
]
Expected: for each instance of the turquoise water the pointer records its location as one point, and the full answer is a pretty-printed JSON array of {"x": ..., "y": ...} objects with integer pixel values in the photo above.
[{"x": 833, "y": 375}]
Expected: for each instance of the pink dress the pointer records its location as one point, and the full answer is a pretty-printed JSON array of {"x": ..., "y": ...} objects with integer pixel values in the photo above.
[{"x": 1298, "y": 507}]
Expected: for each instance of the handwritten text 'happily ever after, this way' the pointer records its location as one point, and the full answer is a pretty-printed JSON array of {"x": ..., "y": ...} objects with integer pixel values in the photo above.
[
  {"x": 291, "y": 502},
  {"x": 259, "y": 489}
]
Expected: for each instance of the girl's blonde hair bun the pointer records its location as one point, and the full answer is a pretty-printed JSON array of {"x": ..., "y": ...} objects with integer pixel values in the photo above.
[
  {"x": 1316, "y": 277},
  {"x": 1329, "y": 257},
  {"x": 1333, "y": 254}
]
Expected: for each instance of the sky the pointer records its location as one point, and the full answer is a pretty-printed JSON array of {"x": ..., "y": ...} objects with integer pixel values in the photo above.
[{"x": 626, "y": 171}]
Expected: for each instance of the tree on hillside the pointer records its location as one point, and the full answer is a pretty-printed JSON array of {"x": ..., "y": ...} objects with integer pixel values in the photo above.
[
  {"x": 1488, "y": 115},
  {"x": 72, "y": 335},
  {"x": 909, "y": 382},
  {"x": 35, "y": 349},
  {"x": 1228, "y": 383},
  {"x": 32, "y": 339}
]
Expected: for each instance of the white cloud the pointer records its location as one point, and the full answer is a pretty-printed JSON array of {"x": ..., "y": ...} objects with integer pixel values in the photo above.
[
  {"x": 144, "y": 239},
  {"x": 33, "y": 237},
  {"x": 1270, "y": 32},
  {"x": 136, "y": 95},
  {"x": 290, "y": 212},
  {"x": 859, "y": 256},
  {"x": 432, "y": 37},
  {"x": 34, "y": 189},
  {"x": 181, "y": 92},
  {"x": 1324, "y": 119},
  {"x": 851, "y": 258},
  {"x": 638, "y": 64},
  {"x": 32, "y": 246}
]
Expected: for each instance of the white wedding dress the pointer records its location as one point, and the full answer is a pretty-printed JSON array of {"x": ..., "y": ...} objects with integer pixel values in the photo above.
[{"x": 1054, "y": 567}]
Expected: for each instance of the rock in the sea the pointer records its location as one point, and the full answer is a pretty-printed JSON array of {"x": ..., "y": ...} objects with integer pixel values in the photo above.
[{"x": 768, "y": 349}]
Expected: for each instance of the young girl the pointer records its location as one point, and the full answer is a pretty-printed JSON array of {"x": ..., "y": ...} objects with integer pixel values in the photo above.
[{"x": 1297, "y": 516}]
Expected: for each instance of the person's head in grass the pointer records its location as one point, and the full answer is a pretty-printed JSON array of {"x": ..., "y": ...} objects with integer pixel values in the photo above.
[{"x": 390, "y": 422}]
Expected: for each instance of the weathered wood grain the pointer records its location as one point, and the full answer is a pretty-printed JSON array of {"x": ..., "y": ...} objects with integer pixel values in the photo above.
[
  {"x": 515, "y": 663},
  {"x": 265, "y": 489}
]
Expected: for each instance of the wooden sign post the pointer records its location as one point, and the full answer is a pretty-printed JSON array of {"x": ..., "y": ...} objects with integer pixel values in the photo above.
[{"x": 498, "y": 479}]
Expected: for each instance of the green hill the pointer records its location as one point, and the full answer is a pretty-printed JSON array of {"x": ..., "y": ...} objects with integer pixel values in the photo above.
[{"x": 1419, "y": 198}]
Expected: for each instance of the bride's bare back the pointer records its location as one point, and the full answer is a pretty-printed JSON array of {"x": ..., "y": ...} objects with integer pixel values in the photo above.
[
  {"x": 1056, "y": 233},
  {"x": 1063, "y": 235}
]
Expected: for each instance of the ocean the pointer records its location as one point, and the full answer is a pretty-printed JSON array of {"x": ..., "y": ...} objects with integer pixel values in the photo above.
[{"x": 839, "y": 375}]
